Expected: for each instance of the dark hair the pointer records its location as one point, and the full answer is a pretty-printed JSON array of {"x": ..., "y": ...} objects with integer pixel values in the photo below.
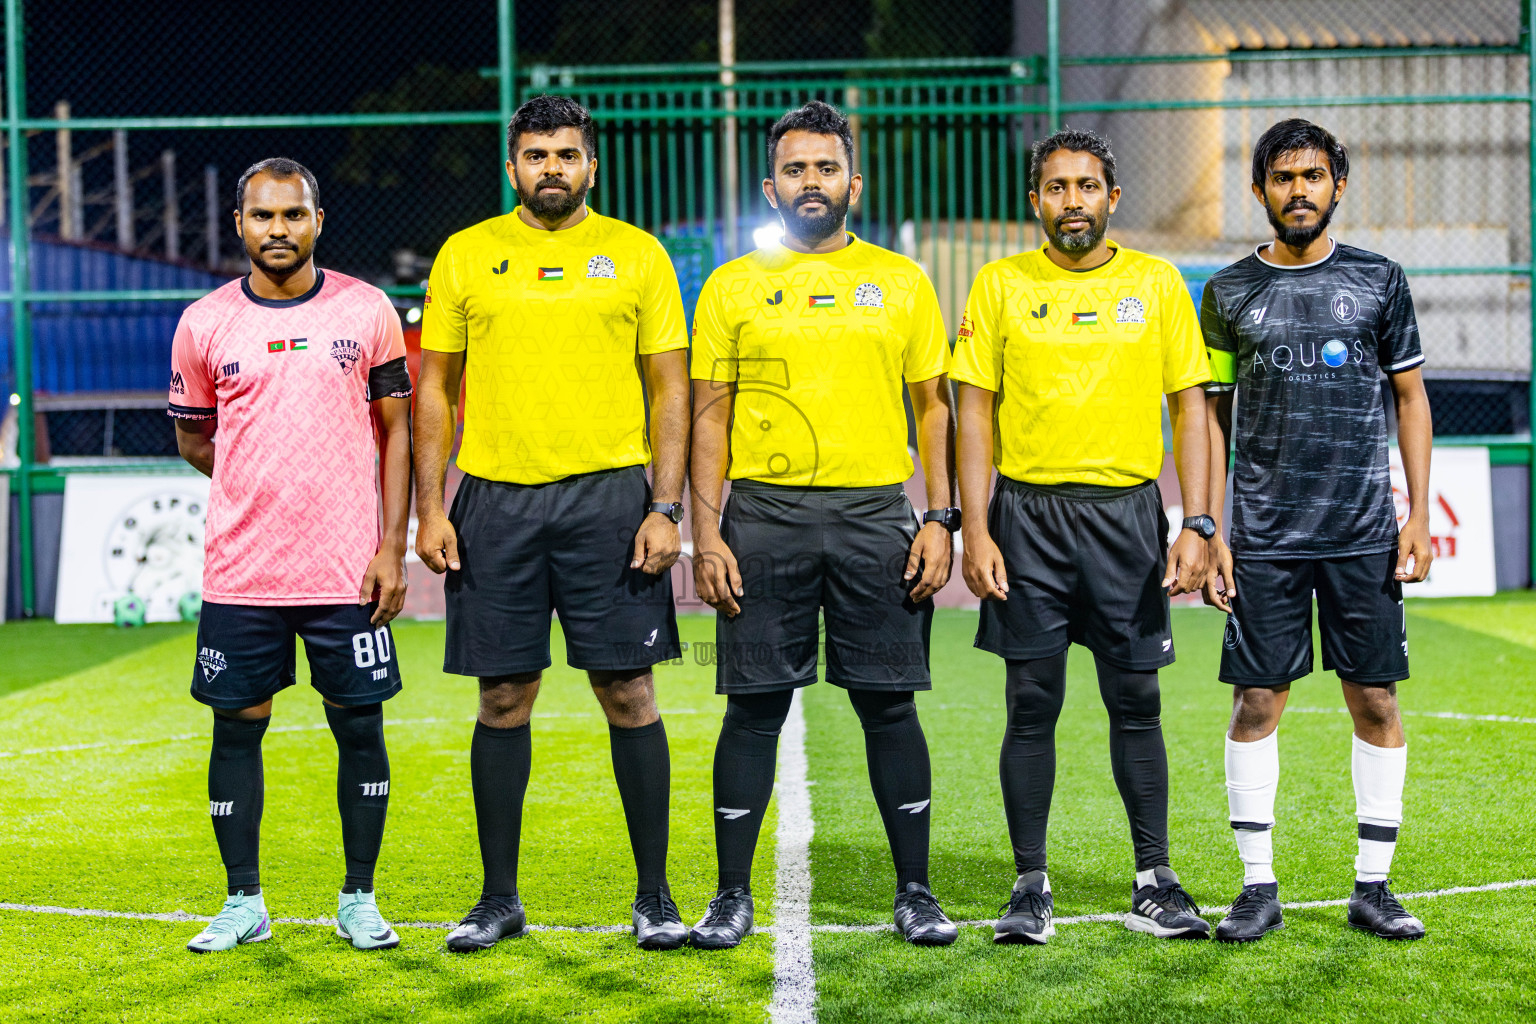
[
  {"x": 545, "y": 115},
  {"x": 1076, "y": 140},
  {"x": 1294, "y": 134},
  {"x": 279, "y": 167},
  {"x": 815, "y": 117}
]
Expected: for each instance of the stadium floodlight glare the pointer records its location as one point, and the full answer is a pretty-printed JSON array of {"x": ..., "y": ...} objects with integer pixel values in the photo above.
[
  {"x": 767, "y": 235},
  {"x": 413, "y": 315}
]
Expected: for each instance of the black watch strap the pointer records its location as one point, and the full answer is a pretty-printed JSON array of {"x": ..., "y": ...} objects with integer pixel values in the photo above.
[
  {"x": 1205, "y": 526},
  {"x": 949, "y": 518},
  {"x": 673, "y": 510}
]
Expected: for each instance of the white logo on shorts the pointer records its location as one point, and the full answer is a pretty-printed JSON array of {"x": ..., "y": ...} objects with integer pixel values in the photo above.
[
  {"x": 652, "y": 641},
  {"x": 1232, "y": 635},
  {"x": 212, "y": 661}
]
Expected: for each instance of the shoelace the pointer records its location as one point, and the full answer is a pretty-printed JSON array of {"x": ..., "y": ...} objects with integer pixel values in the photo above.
[
  {"x": 487, "y": 910},
  {"x": 717, "y": 910},
  {"x": 922, "y": 906},
  {"x": 657, "y": 907},
  {"x": 232, "y": 917},
  {"x": 1173, "y": 895},
  {"x": 1248, "y": 905},
  {"x": 1025, "y": 899},
  {"x": 366, "y": 918},
  {"x": 1383, "y": 899}
]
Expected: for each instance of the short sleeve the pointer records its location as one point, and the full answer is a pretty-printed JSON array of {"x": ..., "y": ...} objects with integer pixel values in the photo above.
[
  {"x": 192, "y": 395},
  {"x": 927, "y": 353},
  {"x": 663, "y": 327},
  {"x": 444, "y": 326},
  {"x": 388, "y": 374},
  {"x": 1184, "y": 361},
  {"x": 1397, "y": 340},
  {"x": 715, "y": 348},
  {"x": 978, "y": 358},
  {"x": 1220, "y": 345}
]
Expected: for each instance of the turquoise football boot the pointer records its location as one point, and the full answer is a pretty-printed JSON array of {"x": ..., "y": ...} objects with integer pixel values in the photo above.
[
  {"x": 243, "y": 919},
  {"x": 358, "y": 921}
]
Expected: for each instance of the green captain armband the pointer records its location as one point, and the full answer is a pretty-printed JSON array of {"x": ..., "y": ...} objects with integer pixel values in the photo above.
[{"x": 1223, "y": 368}]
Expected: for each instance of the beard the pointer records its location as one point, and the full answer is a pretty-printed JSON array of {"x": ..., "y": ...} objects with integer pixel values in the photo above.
[
  {"x": 302, "y": 251},
  {"x": 1076, "y": 243},
  {"x": 1299, "y": 237},
  {"x": 814, "y": 228},
  {"x": 553, "y": 206}
]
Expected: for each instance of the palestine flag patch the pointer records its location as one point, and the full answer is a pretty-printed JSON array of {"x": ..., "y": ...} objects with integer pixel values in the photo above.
[
  {"x": 818, "y": 301},
  {"x": 298, "y": 344},
  {"x": 551, "y": 273},
  {"x": 1090, "y": 319}
]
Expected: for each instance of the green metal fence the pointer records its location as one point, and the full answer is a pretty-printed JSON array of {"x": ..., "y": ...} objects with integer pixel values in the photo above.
[{"x": 943, "y": 144}]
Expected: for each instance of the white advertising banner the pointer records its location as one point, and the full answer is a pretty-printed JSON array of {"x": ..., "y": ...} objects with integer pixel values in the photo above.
[
  {"x": 1460, "y": 522},
  {"x": 130, "y": 536}
]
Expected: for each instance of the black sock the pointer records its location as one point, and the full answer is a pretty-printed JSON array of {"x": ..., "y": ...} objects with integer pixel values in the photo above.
[
  {"x": 642, "y": 767},
  {"x": 745, "y": 757},
  {"x": 235, "y": 790},
  {"x": 1027, "y": 767},
  {"x": 499, "y": 763},
  {"x": 362, "y": 788},
  {"x": 1139, "y": 760},
  {"x": 899, "y": 775}
]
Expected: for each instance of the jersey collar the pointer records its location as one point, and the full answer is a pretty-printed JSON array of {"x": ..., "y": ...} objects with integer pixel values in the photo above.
[
  {"x": 575, "y": 231},
  {"x": 1050, "y": 269},
  {"x": 1333, "y": 250},
  {"x": 245, "y": 286},
  {"x": 782, "y": 255}
]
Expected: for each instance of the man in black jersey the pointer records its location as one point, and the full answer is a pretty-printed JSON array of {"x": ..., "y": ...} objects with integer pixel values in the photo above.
[{"x": 1300, "y": 332}]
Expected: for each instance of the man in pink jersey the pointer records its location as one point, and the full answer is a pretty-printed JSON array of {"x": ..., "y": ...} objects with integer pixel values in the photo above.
[{"x": 289, "y": 389}]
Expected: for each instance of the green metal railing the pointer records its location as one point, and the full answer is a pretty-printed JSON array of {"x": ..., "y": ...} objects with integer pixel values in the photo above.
[{"x": 943, "y": 144}]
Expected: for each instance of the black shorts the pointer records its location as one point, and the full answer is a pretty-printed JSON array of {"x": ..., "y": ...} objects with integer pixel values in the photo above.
[
  {"x": 1268, "y": 640},
  {"x": 841, "y": 551},
  {"x": 527, "y": 549},
  {"x": 246, "y": 653},
  {"x": 1085, "y": 565}
]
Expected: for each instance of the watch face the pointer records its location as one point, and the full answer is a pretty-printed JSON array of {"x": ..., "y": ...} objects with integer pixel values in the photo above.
[{"x": 154, "y": 551}]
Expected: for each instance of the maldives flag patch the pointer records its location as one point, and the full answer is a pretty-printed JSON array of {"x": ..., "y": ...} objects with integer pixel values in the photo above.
[
  {"x": 1086, "y": 319},
  {"x": 551, "y": 273},
  {"x": 277, "y": 346},
  {"x": 817, "y": 301}
]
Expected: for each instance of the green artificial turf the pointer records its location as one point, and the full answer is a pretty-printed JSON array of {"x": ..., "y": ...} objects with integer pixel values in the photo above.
[{"x": 119, "y": 822}]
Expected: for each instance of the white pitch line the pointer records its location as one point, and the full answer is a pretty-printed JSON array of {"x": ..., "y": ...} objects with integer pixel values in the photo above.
[
  {"x": 180, "y": 737},
  {"x": 794, "y": 973},
  {"x": 182, "y": 916}
]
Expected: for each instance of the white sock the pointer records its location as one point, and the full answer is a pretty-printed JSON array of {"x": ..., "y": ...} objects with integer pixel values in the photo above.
[
  {"x": 1378, "y": 774},
  {"x": 1253, "y": 775},
  {"x": 1147, "y": 877}
]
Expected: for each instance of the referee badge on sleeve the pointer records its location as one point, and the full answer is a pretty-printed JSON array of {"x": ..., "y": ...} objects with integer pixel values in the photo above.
[
  {"x": 601, "y": 266},
  {"x": 1130, "y": 311}
]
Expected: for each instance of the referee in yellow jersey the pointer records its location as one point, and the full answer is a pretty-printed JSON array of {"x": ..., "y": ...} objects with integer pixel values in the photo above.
[
  {"x": 1063, "y": 358},
  {"x": 800, "y": 354},
  {"x": 563, "y": 323}
]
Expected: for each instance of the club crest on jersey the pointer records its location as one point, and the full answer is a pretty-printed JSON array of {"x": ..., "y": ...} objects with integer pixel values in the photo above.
[
  {"x": 212, "y": 661},
  {"x": 1345, "y": 308},
  {"x": 601, "y": 266},
  {"x": 869, "y": 294},
  {"x": 551, "y": 274},
  {"x": 1129, "y": 310},
  {"x": 346, "y": 353}
]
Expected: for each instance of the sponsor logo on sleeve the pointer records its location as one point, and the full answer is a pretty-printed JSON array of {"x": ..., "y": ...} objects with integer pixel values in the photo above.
[
  {"x": 1130, "y": 310},
  {"x": 966, "y": 328},
  {"x": 601, "y": 266},
  {"x": 178, "y": 385}
]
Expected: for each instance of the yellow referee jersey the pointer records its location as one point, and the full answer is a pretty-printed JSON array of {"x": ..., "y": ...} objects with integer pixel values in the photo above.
[
  {"x": 1081, "y": 360},
  {"x": 551, "y": 324},
  {"x": 819, "y": 347}
]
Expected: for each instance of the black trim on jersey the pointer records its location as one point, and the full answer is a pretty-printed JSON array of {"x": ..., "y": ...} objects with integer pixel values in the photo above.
[
  {"x": 245, "y": 286},
  {"x": 389, "y": 380},
  {"x": 1113, "y": 252},
  {"x": 192, "y": 412}
]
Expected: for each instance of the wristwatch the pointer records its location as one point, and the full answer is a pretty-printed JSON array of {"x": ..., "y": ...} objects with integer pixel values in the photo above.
[
  {"x": 673, "y": 510},
  {"x": 949, "y": 518},
  {"x": 1205, "y": 526}
]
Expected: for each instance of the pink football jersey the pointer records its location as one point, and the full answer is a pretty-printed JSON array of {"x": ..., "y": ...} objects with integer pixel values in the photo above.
[{"x": 293, "y": 513}]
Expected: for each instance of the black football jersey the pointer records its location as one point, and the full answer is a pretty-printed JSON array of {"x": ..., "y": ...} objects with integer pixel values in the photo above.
[{"x": 1305, "y": 349}]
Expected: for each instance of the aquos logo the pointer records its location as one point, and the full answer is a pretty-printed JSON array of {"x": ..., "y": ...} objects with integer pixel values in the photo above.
[{"x": 1309, "y": 355}]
